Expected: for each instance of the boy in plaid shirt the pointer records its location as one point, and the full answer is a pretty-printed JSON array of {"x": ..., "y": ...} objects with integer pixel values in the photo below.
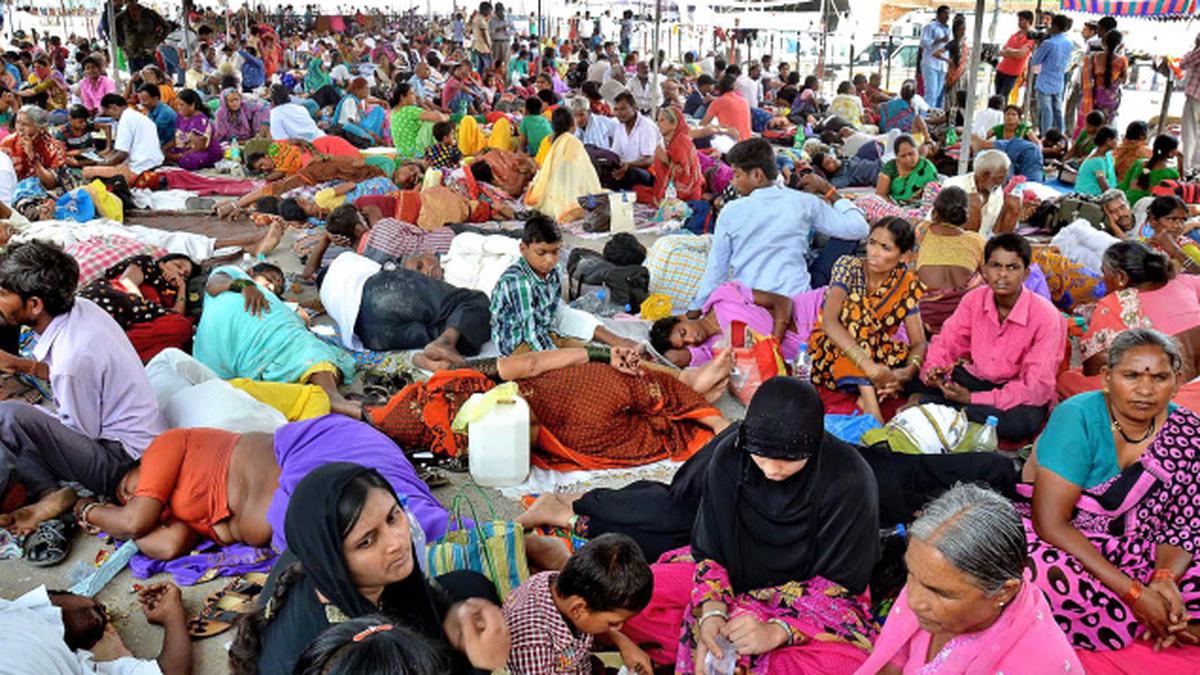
[
  {"x": 444, "y": 154},
  {"x": 527, "y": 301},
  {"x": 554, "y": 617}
]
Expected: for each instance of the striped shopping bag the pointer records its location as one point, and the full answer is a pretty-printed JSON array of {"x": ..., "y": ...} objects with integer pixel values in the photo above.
[{"x": 495, "y": 548}]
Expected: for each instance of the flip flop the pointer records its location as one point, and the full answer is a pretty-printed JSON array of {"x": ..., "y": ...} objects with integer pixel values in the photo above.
[
  {"x": 222, "y": 608},
  {"x": 50, "y": 543}
]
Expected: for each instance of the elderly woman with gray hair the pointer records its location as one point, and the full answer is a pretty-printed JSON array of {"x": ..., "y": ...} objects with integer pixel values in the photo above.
[
  {"x": 1115, "y": 521},
  {"x": 967, "y": 607},
  {"x": 35, "y": 153},
  {"x": 990, "y": 210}
]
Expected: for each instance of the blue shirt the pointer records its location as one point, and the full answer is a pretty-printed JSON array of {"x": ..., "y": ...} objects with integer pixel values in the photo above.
[
  {"x": 1053, "y": 55},
  {"x": 164, "y": 121},
  {"x": 930, "y": 36},
  {"x": 254, "y": 75},
  {"x": 419, "y": 89},
  {"x": 761, "y": 240},
  {"x": 599, "y": 131}
]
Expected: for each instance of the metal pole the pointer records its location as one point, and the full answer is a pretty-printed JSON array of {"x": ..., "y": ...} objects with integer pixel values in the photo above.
[
  {"x": 655, "y": 97},
  {"x": 964, "y": 153},
  {"x": 187, "y": 46},
  {"x": 821, "y": 56},
  {"x": 112, "y": 42},
  {"x": 1029, "y": 77},
  {"x": 1162, "y": 114}
]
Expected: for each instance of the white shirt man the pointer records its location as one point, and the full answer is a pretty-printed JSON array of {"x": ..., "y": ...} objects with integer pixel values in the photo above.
[
  {"x": 644, "y": 92},
  {"x": 292, "y": 121},
  {"x": 636, "y": 144},
  {"x": 587, "y": 26},
  {"x": 600, "y": 71},
  {"x": 137, "y": 135},
  {"x": 748, "y": 88}
]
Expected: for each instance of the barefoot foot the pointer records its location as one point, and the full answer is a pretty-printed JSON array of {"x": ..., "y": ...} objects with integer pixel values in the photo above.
[
  {"x": 270, "y": 240},
  {"x": 443, "y": 350},
  {"x": 26, "y": 519},
  {"x": 549, "y": 510},
  {"x": 546, "y": 553}
]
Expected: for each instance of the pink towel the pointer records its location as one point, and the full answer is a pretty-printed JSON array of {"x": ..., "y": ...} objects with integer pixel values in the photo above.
[
  {"x": 1140, "y": 657},
  {"x": 178, "y": 179}
]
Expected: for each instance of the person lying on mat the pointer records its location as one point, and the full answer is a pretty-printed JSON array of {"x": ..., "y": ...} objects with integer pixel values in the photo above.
[
  {"x": 246, "y": 330},
  {"x": 230, "y": 488}
]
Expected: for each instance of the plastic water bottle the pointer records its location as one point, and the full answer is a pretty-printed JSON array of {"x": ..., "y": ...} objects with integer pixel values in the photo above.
[
  {"x": 597, "y": 304},
  {"x": 802, "y": 366},
  {"x": 235, "y": 155},
  {"x": 418, "y": 538},
  {"x": 987, "y": 440}
]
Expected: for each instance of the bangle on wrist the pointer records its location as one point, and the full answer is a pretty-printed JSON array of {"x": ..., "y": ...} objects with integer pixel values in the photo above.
[
  {"x": 710, "y": 614},
  {"x": 916, "y": 362},
  {"x": 1135, "y": 591},
  {"x": 1163, "y": 574},
  {"x": 239, "y": 285},
  {"x": 791, "y": 635},
  {"x": 83, "y": 515},
  {"x": 598, "y": 353}
]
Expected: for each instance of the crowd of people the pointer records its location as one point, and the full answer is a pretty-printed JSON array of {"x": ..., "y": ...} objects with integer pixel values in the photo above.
[{"x": 431, "y": 175}]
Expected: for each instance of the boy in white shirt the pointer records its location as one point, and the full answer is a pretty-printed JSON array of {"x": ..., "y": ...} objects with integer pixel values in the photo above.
[{"x": 136, "y": 151}]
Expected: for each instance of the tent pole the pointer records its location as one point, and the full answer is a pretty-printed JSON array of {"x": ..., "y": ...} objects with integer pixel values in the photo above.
[
  {"x": 656, "y": 95},
  {"x": 112, "y": 42},
  {"x": 964, "y": 153},
  {"x": 1166, "y": 104},
  {"x": 1029, "y": 104}
]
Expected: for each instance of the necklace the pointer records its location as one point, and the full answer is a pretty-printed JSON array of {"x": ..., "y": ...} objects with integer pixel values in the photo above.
[{"x": 1133, "y": 441}]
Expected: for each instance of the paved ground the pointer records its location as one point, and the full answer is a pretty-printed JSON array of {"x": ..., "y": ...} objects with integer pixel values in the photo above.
[{"x": 17, "y": 577}]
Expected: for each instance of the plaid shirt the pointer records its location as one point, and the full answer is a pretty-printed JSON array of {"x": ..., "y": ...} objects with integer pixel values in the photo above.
[
  {"x": 391, "y": 239},
  {"x": 1191, "y": 64},
  {"x": 542, "y": 641},
  {"x": 443, "y": 156},
  {"x": 524, "y": 306}
]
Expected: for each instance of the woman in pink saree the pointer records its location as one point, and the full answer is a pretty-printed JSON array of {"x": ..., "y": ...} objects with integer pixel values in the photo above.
[{"x": 967, "y": 608}]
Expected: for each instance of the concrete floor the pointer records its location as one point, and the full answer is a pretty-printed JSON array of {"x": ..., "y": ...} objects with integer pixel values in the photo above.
[{"x": 144, "y": 640}]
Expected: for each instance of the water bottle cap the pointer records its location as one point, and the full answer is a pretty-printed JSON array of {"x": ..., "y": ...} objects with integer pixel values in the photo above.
[
  {"x": 628, "y": 308},
  {"x": 992, "y": 421},
  {"x": 803, "y": 348},
  {"x": 602, "y": 294},
  {"x": 901, "y": 530}
]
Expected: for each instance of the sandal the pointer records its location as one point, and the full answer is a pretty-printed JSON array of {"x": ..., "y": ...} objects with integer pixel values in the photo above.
[
  {"x": 50, "y": 543},
  {"x": 434, "y": 478},
  {"x": 222, "y": 608}
]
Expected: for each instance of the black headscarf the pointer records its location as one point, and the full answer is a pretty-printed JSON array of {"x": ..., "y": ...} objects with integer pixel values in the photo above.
[
  {"x": 822, "y": 521},
  {"x": 314, "y": 539}
]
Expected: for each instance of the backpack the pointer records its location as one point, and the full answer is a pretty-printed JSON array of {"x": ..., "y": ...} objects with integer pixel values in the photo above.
[
  {"x": 586, "y": 270},
  {"x": 1077, "y": 207},
  {"x": 628, "y": 285}
]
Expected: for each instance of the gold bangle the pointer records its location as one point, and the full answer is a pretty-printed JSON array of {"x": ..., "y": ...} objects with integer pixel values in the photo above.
[{"x": 916, "y": 361}]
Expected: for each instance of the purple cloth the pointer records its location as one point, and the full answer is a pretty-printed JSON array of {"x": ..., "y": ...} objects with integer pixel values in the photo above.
[
  {"x": 734, "y": 301},
  {"x": 1037, "y": 282},
  {"x": 227, "y": 561},
  {"x": 301, "y": 447},
  {"x": 243, "y": 124},
  {"x": 196, "y": 159}
]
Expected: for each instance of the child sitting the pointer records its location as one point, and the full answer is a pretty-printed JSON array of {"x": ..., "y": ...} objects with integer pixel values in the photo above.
[
  {"x": 554, "y": 617},
  {"x": 533, "y": 128},
  {"x": 527, "y": 305},
  {"x": 444, "y": 153},
  {"x": 76, "y": 134}
]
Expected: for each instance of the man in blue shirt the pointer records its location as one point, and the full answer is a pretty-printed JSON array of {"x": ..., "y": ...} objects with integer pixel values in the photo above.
[
  {"x": 934, "y": 62},
  {"x": 591, "y": 128},
  {"x": 161, "y": 114},
  {"x": 1053, "y": 55},
  {"x": 254, "y": 73},
  {"x": 762, "y": 239}
]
